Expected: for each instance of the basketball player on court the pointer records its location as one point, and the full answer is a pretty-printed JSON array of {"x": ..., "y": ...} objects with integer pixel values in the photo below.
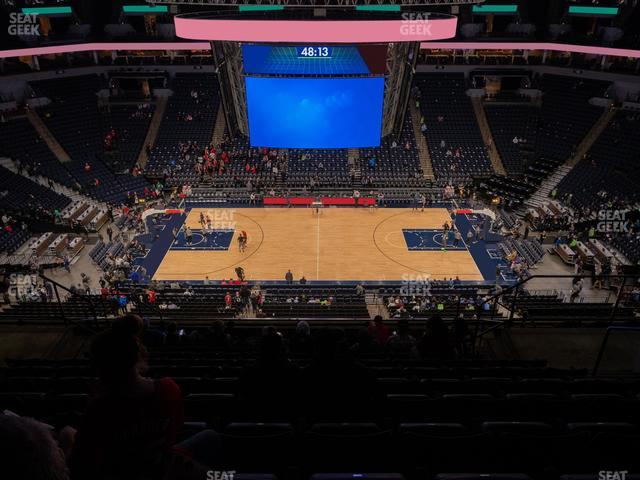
[
  {"x": 245, "y": 240},
  {"x": 240, "y": 273}
]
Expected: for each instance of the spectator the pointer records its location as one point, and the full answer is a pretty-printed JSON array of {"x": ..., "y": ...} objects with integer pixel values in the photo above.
[
  {"x": 271, "y": 381},
  {"x": 402, "y": 343},
  {"x": 29, "y": 450},
  {"x": 378, "y": 330},
  {"x": 366, "y": 343},
  {"x": 576, "y": 288},
  {"x": 333, "y": 380},
  {"x": 130, "y": 428},
  {"x": 435, "y": 341},
  {"x": 301, "y": 340}
]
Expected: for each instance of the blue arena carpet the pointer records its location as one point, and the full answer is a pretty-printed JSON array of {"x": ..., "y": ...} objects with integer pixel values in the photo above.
[
  {"x": 485, "y": 251},
  {"x": 158, "y": 241}
]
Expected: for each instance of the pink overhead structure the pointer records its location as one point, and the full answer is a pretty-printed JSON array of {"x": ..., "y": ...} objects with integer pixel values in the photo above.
[
  {"x": 556, "y": 47},
  {"x": 237, "y": 29},
  {"x": 202, "y": 45},
  {"x": 98, "y": 47}
]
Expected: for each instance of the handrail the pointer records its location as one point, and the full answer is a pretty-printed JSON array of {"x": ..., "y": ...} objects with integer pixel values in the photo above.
[
  {"x": 517, "y": 288},
  {"x": 486, "y": 319},
  {"x": 528, "y": 279},
  {"x": 87, "y": 298},
  {"x": 605, "y": 340}
]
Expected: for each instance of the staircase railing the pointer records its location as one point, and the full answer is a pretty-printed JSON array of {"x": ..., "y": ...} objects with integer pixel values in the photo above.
[
  {"x": 485, "y": 130},
  {"x": 605, "y": 341},
  {"x": 421, "y": 143},
  {"x": 87, "y": 298}
]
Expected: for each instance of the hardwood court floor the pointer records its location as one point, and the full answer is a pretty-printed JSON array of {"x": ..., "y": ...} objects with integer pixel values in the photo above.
[{"x": 338, "y": 244}]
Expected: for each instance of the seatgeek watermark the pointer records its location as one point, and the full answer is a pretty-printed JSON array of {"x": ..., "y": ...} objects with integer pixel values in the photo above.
[
  {"x": 21, "y": 284},
  {"x": 612, "y": 474},
  {"x": 415, "y": 24},
  {"x": 418, "y": 285},
  {"x": 613, "y": 221},
  {"x": 220, "y": 474},
  {"x": 221, "y": 220},
  {"x": 23, "y": 24}
]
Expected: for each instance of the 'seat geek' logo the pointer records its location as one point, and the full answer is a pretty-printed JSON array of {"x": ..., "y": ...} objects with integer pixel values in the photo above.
[{"x": 23, "y": 24}]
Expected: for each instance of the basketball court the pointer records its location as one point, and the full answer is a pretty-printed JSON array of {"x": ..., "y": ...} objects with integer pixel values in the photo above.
[{"x": 336, "y": 244}]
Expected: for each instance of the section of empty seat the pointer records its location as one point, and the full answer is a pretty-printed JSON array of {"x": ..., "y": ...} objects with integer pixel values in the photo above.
[
  {"x": 514, "y": 128},
  {"x": 81, "y": 129},
  {"x": 566, "y": 115},
  {"x": 396, "y": 163},
  {"x": 19, "y": 194},
  {"x": 20, "y": 142},
  {"x": 455, "y": 143}
]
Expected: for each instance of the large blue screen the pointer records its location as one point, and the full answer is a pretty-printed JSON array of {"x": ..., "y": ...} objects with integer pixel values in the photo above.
[{"x": 315, "y": 112}]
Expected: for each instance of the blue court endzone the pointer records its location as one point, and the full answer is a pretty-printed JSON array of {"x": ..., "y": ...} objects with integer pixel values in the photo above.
[
  {"x": 212, "y": 240},
  {"x": 485, "y": 251},
  {"x": 430, "y": 239}
]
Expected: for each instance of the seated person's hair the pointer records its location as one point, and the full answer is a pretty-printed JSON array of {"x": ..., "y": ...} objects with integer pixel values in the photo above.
[
  {"x": 116, "y": 351},
  {"x": 29, "y": 450}
]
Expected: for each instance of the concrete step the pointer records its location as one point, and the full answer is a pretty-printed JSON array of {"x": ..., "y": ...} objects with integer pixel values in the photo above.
[
  {"x": 152, "y": 132},
  {"x": 421, "y": 143},
  {"x": 58, "y": 188},
  {"x": 220, "y": 126},
  {"x": 46, "y": 135},
  {"x": 487, "y": 136}
]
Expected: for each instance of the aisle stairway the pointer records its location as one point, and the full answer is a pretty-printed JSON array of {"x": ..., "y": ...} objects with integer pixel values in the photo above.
[
  {"x": 152, "y": 133},
  {"x": 220, "y": 126},
  {"x": 353, "y": 156},
  {"x": 494, "y": 155},
  {"x": 592, "y": 136},
  {"x": 543, "y": 192},
  {"x": 421, "y": 142},
  {"x": 48, "y": 137},
  {"x": 375, "y": 305},
  {"x": 9, "y": 164}
]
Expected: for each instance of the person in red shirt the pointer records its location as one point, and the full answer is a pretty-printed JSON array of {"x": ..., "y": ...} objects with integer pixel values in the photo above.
[
  {"x": 379, "y": 330},
  {"x": 228, "y": 300},
  {"x": 132, "y": 423}
]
